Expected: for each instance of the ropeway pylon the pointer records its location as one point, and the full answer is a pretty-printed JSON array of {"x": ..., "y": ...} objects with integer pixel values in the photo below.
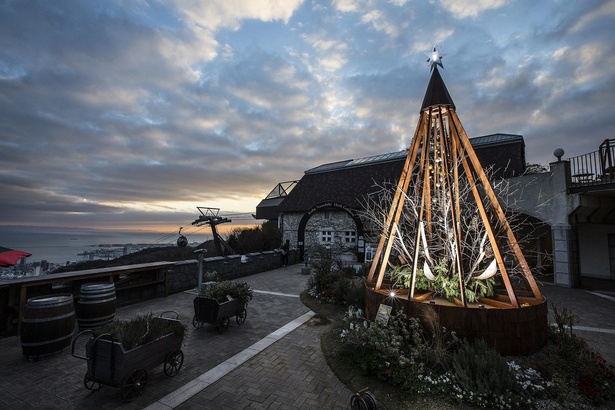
[{"x": 211, "y": 217}]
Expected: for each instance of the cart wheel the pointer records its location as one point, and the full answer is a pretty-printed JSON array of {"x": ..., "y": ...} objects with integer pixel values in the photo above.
[
  {"x": 173, "y": 363},
  {"x": 223, "y": 324},
  {"x": 196, "y": 323},
  {"x": 241, "y": 316},
  {"x": 90, "y": 383},
  {"x": 134, "y": 384}
]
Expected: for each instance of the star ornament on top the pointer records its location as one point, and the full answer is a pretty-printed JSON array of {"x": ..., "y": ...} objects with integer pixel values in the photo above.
[{"x": 435, "y": 58}]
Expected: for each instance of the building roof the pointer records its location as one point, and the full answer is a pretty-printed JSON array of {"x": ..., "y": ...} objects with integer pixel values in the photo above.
[
  {"x": 496, "y": 139},
  {"x": 347, "y": 185},
  {"x": 350, "y": 181},
  {"x": 268, "y": 208},
  {"x": 391, "y": 156}
]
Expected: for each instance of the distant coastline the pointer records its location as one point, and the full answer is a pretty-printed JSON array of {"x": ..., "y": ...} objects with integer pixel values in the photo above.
[{"x": 60, "y": 245}]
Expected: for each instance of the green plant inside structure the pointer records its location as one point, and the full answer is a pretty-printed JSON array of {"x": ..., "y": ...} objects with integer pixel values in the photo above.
[
  {"x": 444, "y": 284},
  {"x": 220, "y": 291},
  {"x": 141, "y": 330}
]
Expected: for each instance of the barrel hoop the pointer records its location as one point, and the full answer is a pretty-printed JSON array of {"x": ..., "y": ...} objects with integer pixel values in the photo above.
[
  {"x": 47, "y": 319},
  {"x": 95, "y": 319},
  {"x": 47, "y": 342},
  {"x": 99, "y": 290},
  {"x": 96, "y": 301},
  {"x": 44, "y": 303},
  {"x": 99, "y": 287}
]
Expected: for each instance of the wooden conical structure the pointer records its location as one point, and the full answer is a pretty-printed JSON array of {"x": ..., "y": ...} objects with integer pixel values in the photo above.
[{"x": 440, "y": 160}]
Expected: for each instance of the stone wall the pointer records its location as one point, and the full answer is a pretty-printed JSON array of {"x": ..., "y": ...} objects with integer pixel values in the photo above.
[{"x": 183, "y": 275}]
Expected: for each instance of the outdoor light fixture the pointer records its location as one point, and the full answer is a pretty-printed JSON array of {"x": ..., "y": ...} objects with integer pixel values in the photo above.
[{"x": 392, "y": 294}]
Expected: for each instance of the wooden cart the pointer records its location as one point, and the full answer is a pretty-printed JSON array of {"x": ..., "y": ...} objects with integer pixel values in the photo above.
[
  {"x": 208, "y": 310},
  {"x": 109, "y": 363}
]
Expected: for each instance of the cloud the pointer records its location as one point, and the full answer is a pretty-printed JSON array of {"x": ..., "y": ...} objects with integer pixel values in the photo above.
[
  {"x": 470, "y": 8},
  {"x": 137, "y": 112},
  {"x": 604, "y": 12}
]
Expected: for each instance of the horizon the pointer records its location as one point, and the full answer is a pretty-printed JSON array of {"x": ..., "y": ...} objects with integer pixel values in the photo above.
[{"x": 61, "y": 244}]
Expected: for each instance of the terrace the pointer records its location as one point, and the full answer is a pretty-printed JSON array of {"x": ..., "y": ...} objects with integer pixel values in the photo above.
[{"x": 594, "y": 171}]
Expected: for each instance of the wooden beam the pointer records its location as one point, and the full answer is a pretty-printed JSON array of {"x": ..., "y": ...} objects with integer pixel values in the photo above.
[
  {"x": 397, "y": 198},
  {"x": 490, "y": 234},
  {"x": 512, "y": 241}
]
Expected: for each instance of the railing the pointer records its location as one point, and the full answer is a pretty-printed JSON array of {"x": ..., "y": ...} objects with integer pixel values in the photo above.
[
  {"x": 133, "y": 283},
  {"x": 595, "y": 168}
]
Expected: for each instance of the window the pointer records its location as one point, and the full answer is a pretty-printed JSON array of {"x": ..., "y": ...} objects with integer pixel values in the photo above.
[
  {"x": 350, "y": 236},
  {"x": 326, "y": 236}
]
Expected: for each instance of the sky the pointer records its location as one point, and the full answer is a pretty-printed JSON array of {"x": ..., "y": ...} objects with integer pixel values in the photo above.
[{"x": 129, "y": 114}]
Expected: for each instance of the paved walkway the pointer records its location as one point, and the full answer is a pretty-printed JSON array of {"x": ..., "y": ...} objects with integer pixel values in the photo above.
[{"x": 272, "y": 361}]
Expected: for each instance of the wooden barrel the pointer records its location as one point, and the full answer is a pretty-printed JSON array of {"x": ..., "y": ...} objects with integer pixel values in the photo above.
[
  {"x": 96, "y": 305},
  {"x": 48, "y": 325}
]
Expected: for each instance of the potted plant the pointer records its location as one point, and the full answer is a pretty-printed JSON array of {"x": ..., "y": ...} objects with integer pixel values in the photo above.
[
  {"x": 120, "y": 353},
  {"x": 219, "y": 302},
  {"x": 210, "y": 278}
]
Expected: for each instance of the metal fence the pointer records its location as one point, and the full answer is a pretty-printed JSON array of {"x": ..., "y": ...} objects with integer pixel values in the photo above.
[{"x": 595, "y": 168}]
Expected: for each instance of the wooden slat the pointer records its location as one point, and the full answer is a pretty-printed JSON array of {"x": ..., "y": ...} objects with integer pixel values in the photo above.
[{"x": 495, "y": 303}]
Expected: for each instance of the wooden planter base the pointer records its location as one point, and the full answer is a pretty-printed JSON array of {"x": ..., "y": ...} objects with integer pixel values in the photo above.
[{"x": 510, "y": 331}]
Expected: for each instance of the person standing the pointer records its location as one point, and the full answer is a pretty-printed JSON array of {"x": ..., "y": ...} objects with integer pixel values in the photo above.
[{"x": 285, "y": 248}]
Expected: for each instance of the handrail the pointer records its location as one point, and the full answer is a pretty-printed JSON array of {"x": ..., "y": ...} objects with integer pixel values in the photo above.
[{"x": 594, "y": 168}]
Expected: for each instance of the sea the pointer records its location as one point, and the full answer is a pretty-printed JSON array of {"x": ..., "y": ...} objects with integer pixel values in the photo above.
[{"x": 62, "y": 245}]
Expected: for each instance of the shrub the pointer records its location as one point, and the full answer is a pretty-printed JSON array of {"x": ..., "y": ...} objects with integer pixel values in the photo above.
[
  {"x": 480, "y": 369},
  {"x": 442, "y": 342},
  {"x": 577, "y": 373},
  {"x": 390, "y": 352},
  {"x": 564, "y": 319},
  {"x": 237, "y": 290},
  {"x": 141, "y": 330},
  {"x": 211, "y": 276},
  {"x": 350, "y": 292},
  {"x": 564, "y": 374},
  {"x": 331, "y": 281}
]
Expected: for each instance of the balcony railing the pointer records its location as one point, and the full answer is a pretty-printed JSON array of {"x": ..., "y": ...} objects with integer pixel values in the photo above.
[{"x": 595, "y": 168}]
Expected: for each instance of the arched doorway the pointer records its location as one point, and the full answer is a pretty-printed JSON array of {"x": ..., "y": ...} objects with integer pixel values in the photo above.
[{"x": 322, "y": 209}]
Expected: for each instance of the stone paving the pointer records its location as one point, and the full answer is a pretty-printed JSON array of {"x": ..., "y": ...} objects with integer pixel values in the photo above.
[
  {"x": 272, "y": 361},
  {"x": 596, "y": 311}
]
